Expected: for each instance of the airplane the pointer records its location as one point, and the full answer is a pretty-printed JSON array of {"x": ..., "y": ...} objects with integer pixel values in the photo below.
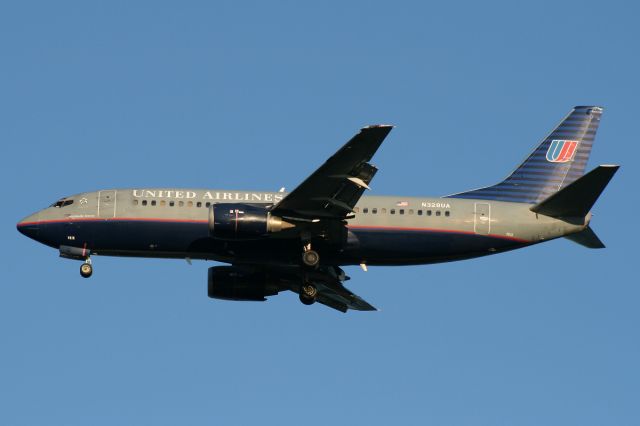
[{"x": 298, "y": 241}]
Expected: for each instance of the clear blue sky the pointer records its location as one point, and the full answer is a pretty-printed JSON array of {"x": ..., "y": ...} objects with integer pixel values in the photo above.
[{"x": 255, "y": 95}]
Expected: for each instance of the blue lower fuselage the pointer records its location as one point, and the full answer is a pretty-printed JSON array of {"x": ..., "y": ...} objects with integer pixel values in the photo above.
[{"x": 190, "y": 239}]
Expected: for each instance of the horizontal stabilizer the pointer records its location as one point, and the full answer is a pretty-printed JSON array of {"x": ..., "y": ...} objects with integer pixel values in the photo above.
[
  {"x": 577, "y": 198},
  {"x": 586, "y": 238}
]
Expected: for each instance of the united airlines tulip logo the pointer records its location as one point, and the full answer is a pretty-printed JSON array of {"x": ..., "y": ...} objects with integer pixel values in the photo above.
[{"x": 561, "y": 151}]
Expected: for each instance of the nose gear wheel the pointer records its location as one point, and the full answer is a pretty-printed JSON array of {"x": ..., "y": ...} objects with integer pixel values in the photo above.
[{"x": 86, "y": 270}]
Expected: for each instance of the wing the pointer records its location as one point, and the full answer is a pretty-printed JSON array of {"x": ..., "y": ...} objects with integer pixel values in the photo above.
[
  {"x": 342, "y": 299},
  {"x": 331, "y": 292},
  {"x": 327, "y": 280},
  {"x": 334, "y": 189}
]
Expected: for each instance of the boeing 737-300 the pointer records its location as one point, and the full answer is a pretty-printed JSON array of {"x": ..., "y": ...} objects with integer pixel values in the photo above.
[{"x": 298, "y": 241}]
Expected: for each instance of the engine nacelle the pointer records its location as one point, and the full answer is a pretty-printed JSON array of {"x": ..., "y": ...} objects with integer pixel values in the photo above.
[
  {"x": 233, "y": 221},
  {"x": 231, "y": 283}
]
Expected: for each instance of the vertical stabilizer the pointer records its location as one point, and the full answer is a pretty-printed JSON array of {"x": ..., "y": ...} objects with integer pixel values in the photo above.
[{"x": 559, "y": 160}]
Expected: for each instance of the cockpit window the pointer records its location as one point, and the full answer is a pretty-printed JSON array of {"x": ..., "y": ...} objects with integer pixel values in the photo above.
[{"x": 62, "y": 203}]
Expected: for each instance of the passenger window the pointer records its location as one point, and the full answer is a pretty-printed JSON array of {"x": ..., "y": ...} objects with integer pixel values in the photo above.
[
  {"x": 447, "y": 213},
  {"x": 419, "y": 212},
  {"x": 392, "y": 211},
  {"x": 384, "y": 211},
  {"x": 190, "y": 204},
  {"x": 401, "y": 211},
  {"x": 428, "y": 212},
  {"x": 356, "y": 209},
  {"x": 374, "y": 211},
  {"x": 208, "y": 205},
  {"x": 135, "y": 202},
  {"x": 410, "y": 211},
  {"x": 144, "y": 202},
  {"x": 181, "y": 203},
  {"x": 172, "y": 203},
  {"x": 199, "y": 204},
  {"x": 437, "y": 212},
  {"x": 153, "y": 202},
  {"x": 365, "y": 210},
  {"x": 163, "y": 203}
]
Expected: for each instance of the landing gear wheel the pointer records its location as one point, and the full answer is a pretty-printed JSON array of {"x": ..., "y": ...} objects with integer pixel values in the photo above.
[
  {"x": 311, "y": 258},
  {"x": 308, "y": 293},
  {"x": 86, "y": 270},
  {"x": 306, "y": 301}
]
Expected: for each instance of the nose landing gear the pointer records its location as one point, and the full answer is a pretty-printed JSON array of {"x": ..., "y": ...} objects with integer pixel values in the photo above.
[{"x": 86, "y": 269}]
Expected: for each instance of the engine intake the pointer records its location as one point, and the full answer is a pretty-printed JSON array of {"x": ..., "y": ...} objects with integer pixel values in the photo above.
[
  {"x": 232, "y": 221},
  {"x": 231, "y": 283}
]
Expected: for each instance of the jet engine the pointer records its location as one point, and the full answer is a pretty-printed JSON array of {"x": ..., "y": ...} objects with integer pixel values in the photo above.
[
  {"x": 232, "y": 221},
  {"x": 232, "y": 283}
]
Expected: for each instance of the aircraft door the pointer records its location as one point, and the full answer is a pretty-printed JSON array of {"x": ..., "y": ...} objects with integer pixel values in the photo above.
[
  {"x": 107, "y": 204},
  {"x": 482, "y": 218}
]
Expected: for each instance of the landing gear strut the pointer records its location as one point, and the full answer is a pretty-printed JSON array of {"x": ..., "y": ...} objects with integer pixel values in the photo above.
[
  {"x": 310, "y": 257},
  {"x": 86, "y": 269},
  {"x": 308, "y": 294}
]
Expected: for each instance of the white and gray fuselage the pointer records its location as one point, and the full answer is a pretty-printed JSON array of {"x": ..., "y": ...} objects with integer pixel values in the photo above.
[{"x": 383, "y": 230}]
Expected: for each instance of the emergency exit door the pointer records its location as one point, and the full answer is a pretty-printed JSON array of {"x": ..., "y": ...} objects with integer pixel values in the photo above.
[
  {"x": 482, "y": 218},
  {"x": 107, "y": 204}
]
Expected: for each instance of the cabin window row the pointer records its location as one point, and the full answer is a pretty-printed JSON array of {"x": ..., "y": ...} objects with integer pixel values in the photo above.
[
  {"x": 366, "y": 210},
  {"x": 171, "y": 203}
]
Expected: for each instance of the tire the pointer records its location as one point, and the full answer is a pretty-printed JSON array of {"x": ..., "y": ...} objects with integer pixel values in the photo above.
[
  {"x": 309, "y": 291},
  {"x": 86, "y": 270},
  {"x": 307, "y": 300},
  {"x": 311, "y": 258}
]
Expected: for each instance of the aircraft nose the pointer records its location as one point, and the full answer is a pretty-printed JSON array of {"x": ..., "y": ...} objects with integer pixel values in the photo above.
[{"x": 29, "y": 226}]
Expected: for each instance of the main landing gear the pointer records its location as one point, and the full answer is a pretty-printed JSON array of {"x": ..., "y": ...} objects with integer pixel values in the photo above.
[
  {"x": 310, "y": 257},
  {"x": 86, "y": 269},
  {"x": 308, "y": 293}
]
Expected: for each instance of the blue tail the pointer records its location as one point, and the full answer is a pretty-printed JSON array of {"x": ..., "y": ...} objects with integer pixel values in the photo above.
[{"x": 559, "y": 160}]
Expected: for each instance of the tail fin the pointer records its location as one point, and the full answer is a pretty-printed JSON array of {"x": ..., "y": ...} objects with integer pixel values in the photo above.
[
  {"x": 577, "y": 198},
  {"x": 558, "y": 161}
]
